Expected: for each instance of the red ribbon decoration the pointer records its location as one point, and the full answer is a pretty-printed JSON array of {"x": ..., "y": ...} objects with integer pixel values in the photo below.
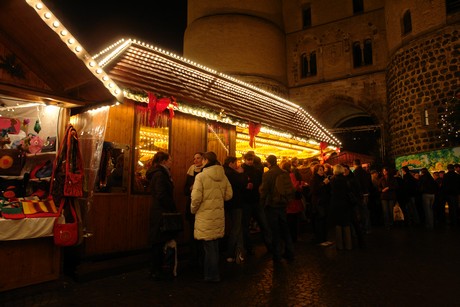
[
  {"x": 254, "y": 130},
  {"x": 157, "y": 106}
]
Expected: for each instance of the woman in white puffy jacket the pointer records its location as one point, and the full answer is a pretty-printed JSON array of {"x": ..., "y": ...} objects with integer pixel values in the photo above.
[{"x": 210, "y": 190}]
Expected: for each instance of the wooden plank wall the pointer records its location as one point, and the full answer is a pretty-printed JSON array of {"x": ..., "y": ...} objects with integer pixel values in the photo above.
[
  {"x": 28, "y": 262},
  {"x": 120, "y": 222},
  {"x": 188, "y": 137}
]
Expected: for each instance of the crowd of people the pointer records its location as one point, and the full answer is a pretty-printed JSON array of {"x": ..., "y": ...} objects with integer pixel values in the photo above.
[{"x": 226, "y": 201}]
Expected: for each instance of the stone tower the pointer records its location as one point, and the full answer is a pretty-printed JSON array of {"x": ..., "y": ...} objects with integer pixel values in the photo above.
[
  {"x": 423, "y": 72},
  {"x": 244, "y": 39},
  {"x": 388, "y": 67}
]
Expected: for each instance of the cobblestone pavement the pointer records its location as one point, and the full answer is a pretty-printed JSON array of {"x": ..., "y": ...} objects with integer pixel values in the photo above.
[{"x": 399, "y": 267}]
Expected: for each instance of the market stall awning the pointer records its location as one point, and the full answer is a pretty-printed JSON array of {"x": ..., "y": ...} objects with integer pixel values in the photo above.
[
  {"x": 34, "y": 45},
  {"x": 139, "y": 68}
]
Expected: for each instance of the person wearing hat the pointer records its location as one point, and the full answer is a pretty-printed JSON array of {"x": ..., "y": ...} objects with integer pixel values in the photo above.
[{"x": 276, "y": 213}]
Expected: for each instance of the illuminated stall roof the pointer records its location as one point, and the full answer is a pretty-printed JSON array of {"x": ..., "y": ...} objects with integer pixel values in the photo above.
[
  {"x": 38, "y": 42},
  {"x": 139, "y": 68}
]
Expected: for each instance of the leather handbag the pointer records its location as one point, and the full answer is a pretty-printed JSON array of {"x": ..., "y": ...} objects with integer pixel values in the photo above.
[
  {"x": 66, "y": 234},
  {"x": 171, "y": 222},
  {"x": 73, "y": 185},
  {"x": 67, "y": 177}
]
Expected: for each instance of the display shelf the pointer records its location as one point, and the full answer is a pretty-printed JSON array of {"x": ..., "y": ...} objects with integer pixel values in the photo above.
[{"x": 30, "y": 155}]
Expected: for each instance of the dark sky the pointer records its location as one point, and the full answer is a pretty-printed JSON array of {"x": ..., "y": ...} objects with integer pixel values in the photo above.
[{"x": 99, "y": 23}]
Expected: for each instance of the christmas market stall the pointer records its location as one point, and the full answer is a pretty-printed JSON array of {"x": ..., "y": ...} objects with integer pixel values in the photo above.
[
  {"x": 174, "y": 105},
  {"x": 44, "y": 73},
  {"x": 167, "y": 103}
]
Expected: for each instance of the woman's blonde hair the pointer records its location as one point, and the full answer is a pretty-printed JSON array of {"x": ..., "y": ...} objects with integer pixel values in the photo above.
[{"x": 338, "y": 169}]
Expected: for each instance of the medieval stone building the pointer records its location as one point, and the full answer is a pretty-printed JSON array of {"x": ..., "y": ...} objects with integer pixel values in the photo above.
[{"x": 387, "y": 67}]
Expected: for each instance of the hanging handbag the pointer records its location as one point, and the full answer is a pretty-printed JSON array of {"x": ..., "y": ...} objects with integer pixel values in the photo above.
[
  {"x": 67, "y": 176},
  {"x": 66, "y": 234},
  {"x": 171, "y": 222},
  {"x": 73, "y": 185}
]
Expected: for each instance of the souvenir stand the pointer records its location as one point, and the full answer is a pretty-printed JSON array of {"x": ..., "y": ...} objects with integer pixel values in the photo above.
[{"x": 44, "y": 73}]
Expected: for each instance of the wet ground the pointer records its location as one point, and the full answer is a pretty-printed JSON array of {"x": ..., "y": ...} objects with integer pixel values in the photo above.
[{"x": 399, "y": 267}]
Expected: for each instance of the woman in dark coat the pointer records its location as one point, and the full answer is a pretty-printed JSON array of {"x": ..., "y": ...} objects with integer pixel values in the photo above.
[
  {"x": 161, "y": 187},
  {"x": 234, "y": 210},
  {"x": 388, "y": 186},
  {"x": 341, "y": 208},
  {"x": 320, "y": 199}
]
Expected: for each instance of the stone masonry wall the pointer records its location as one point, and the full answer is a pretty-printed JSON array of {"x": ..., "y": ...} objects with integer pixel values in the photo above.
[{"x": 421, "y": 76}]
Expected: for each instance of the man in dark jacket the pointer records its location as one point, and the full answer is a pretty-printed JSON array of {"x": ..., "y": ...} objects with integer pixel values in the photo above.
[
  {"x": 251, "y": 205},
  {"x": 364, "y": 181},
  {"x": 276, "y": 212},
  {"x": 409, "y": 188}
]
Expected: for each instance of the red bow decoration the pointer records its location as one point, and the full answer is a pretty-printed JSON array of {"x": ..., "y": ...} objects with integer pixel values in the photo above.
[
  {"x": 254, "y": 130},
  {"x": 156, "y": 106}
]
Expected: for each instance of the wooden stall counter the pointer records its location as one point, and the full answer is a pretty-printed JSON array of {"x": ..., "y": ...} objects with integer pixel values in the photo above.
[{"x": 28, "y": 261}]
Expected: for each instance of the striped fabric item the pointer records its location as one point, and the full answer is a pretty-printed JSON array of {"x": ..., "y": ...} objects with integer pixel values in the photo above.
[{"x": 39, "y": 208}]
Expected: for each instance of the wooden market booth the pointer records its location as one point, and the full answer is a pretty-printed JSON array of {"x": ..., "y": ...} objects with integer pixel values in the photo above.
[
  {"x": 167, "y": 103},
  {"x": 43, "y": 75},
  {"x": 175, "y": 105}
]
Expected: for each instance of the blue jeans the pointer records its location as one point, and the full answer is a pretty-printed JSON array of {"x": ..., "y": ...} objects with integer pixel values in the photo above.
[
  {"x": 235, "y": 238},
  {"x": 387, "y": 211},
  {"x": 412, "y": 211},
  {"x": 211, "y": 260},
  {"x": 277, "y": 220},
  {"x": 364, "y": 211},
  {"x": 428, "y": 202}
]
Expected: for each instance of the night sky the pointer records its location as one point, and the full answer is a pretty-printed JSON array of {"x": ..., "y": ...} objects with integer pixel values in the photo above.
[{"x": 99, "y": 23}]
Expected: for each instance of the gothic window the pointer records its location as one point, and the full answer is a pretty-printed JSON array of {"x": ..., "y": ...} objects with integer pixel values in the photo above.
[
  {"x": 313, "y": 69},
  {"x": 357, "y": 54},
  {"x": 306, "y": 17},
  {"x": 407, "y": 23},
  {"x": 452, "y": 6},
  {"x": 362, "y": 53},
  {"x": 358, "y": 6},
  {"x": 303, "y": 65},
  {"x": 308, "y": 64},
  {"x": 367, "y": 52}
]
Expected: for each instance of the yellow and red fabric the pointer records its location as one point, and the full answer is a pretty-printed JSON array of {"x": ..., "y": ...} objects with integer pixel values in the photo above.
[{"x": 39, "y": 208}]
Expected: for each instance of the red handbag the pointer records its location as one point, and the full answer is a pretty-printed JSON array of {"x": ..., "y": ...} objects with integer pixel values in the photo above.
[
  {"x": 73, "y": 185},
  {"x": 68, "y": 175},
  {"x": 66, "y": 234}
]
